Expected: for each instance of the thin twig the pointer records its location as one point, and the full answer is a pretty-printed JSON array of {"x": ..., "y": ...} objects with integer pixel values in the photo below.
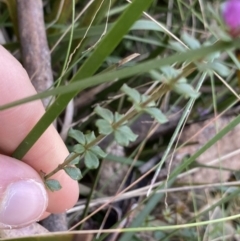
[
  {"x": 37, "y": 61},
  {"x": 34, "y": 46}
]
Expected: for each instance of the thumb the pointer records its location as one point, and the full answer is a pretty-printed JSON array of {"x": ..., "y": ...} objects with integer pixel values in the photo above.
[{"x": 23, "y": 198}]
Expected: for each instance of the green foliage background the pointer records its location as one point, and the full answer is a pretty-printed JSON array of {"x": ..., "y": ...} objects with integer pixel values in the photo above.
[{"x": 182, "y": 47}]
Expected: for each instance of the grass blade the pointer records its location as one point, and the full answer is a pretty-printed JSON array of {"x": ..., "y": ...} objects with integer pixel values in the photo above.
[{"x": 91, "y": 65}]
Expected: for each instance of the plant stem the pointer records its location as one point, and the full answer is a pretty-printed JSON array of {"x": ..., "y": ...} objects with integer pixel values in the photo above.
[
  {"x": 90, "y": 195},
  {"x": 161, "y": 90}
]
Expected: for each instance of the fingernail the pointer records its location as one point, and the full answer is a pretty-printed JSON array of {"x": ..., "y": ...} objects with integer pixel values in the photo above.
[{"x": 22, "y": 203}]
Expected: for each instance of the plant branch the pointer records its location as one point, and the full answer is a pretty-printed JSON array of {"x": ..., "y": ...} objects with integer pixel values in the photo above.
[{"x": 161, "y": 90}]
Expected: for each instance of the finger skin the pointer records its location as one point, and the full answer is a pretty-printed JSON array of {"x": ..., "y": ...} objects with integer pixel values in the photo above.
[
  {"x": 12, "y": 171},
  {"x": 49, "y": 151}
]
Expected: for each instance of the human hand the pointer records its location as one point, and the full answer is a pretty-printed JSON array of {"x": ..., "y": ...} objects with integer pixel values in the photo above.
[{"x": 23, "y": 197}]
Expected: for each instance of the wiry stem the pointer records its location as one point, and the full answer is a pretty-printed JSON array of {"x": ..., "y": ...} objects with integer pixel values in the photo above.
[{"x": 163, "y": 89}]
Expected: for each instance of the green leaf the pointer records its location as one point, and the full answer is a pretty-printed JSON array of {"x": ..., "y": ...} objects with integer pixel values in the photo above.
[
  {"x": 75, "y": 160},
  {"x": 146, "y": 25},
  {"x": 145, "y": 98},
  {"x": 128, "y": 133},
  {"x": 221, "y": 34},
  {"x": 104, "y": 113},
  {"x": 104, "y": 127},
  {"x": 73, "y": 172},
  {"x": 118, "y": 117},
  {"x": 121, "y": 138},
  {"x": 220, "y": 68},
  {"x": 53, "y": 185},
  {"x": 132, "y": 93},
  {"x": 190, "y": 41},
  {"x": 182, "y": 80},
  {"x": 138, "y": 107},
  {"x": 177, "y": 46},
  {"x": 91, "y": 160},
  {"x": 186, "y": 90},
  {"x": 104, "y": 48},
  {"x": 156, "y": 75},
  {"x": 212, "y": 56},
  {"x": 77, "y": 135},
  {"x": 98, "y": 151},
  {"x": 48, "y": 117},
  {"x": 78, "y": 148},
  {"x": 90, "y": 137},
  {"x": 170, "y": 72},
  {"x": 123, "y": 135},
  {"x": 157, "y": 114}
]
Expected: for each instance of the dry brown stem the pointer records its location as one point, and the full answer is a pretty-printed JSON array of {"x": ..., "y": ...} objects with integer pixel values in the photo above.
[
  {"x": 34, "y": 46},
  {"x": 36, "y": 59}
]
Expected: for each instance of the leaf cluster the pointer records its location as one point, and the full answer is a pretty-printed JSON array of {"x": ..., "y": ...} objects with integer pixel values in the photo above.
[
  {"x": 90, "y": 153},
  {"x": 112, "y": 123}
]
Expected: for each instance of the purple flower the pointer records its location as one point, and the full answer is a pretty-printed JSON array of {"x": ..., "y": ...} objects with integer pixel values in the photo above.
[{"x": 231, "y": 16}]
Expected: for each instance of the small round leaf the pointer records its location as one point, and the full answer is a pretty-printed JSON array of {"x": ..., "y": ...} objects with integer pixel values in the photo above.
[
  {"x": 127, "y": 132},
  {"x": 77, "y": 135},
  {"x": 78, "y": 148},
  {"x": 132, "y": 93},
  {"x": 121, "y": 138},
  {"x": 53, "y": 185},
  {"x": 186, "y": 90},
  {"x": 104, "y": 113},
  {"x": 170, "y": 72},
  {"x": 220, "y": 68},
  {"x": 104, "y": 127},
  {"x": 91, "y": 160},
  {"x": 156, "y": 114},
  {"x": 98, "y": 151},
  {"x": 73, "y": 172},
  {"x": 189, "y": 40},
  {"x": 118, "y": 117},
  {"x": 90, "y": 137},
  {"x": 75, "y": 160}
]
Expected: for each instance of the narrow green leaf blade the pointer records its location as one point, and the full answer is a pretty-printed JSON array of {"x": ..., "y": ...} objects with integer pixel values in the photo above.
[
  {"x": 190, "y": 55},
  {"x": 90, "y": 66}
]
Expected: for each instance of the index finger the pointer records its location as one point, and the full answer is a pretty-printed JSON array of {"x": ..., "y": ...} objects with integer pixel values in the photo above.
[{"x": 49, "y": 151}]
